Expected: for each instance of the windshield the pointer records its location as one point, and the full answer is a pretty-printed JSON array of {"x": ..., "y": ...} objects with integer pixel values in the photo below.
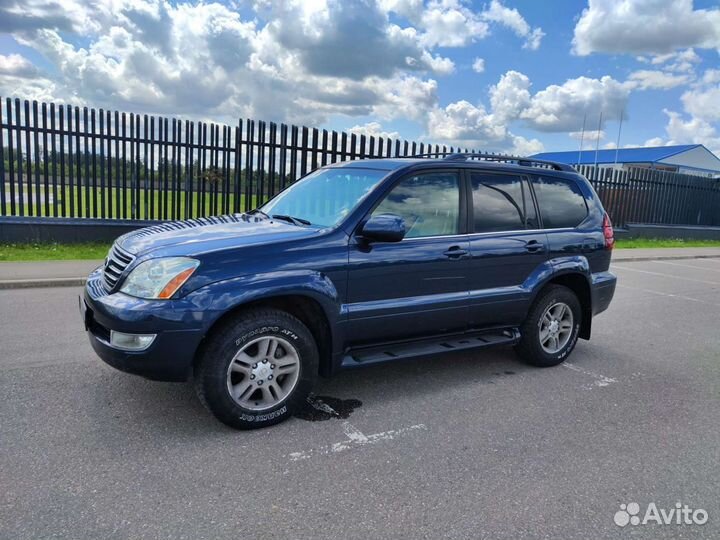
[{"x": 324, "y": 197}]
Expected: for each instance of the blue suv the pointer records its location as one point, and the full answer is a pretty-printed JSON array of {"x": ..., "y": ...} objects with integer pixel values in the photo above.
[{"x": 357, "y": 263}]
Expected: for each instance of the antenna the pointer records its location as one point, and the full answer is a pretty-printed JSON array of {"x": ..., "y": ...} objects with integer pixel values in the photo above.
[
  {"x": 597, "y": 139},
  {"x": 617, "y": 145},
  {"x": 582, "y": 137}
]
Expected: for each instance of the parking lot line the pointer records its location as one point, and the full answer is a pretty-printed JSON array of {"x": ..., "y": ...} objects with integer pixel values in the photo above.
[
  {"x": 672, "y": 276},
  {"x": 668, "y": 295},
  {"x": 687, "y": 265},
  {"x": 355, "y": 439},
  {"x": 599, "y": 380}
]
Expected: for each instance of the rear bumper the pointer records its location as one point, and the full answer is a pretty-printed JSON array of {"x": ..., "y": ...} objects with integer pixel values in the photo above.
[
  {"x": 602, "y": 290},
  {"x": 168, "y": 358}
]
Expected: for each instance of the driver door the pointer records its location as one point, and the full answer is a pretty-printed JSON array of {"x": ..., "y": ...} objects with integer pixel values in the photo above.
[{"x": 417, "y": 287}]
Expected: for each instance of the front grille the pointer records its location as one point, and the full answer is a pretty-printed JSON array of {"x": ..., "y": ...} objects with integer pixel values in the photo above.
[
  {"x": 117, "y": 261},
  {"x": 96, "y": 287}
]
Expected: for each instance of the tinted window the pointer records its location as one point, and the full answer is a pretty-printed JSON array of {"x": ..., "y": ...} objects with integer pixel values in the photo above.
[
  {"x": 501, "y": 203},
  {"x": 561, "y": 202},
  {"x": 429, "y": 204}
]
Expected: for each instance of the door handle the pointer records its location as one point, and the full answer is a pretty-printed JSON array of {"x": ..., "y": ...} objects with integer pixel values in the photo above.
[
  {"x": 533, "y": 246},
  {"x": 455, "y": 252}
]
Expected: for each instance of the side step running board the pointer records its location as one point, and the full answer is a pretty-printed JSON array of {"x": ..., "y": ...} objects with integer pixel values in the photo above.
[{"x": 397, "y": 351}]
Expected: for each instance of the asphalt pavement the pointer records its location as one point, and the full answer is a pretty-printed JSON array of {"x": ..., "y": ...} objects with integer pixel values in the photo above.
[{"x": 472, "y": 445}]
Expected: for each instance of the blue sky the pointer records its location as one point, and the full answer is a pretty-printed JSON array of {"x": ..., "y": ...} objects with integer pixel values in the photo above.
[{"x": 503, "y": 75}]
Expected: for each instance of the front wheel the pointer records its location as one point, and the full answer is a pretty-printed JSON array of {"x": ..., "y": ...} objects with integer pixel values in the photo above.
[
  {"x": 550, "y": 332},
  {"x": 258, "y": 369}
]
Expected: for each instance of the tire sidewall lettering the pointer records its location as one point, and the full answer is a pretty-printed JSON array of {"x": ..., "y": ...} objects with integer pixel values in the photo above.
[
  {"x": 265, "y": 330},
  {"x": 263, "y": 417}
]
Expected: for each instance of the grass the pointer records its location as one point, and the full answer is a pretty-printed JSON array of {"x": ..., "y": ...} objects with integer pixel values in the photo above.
[
  {"x": 52, "y": 252},
  {"x": 66, "y": 252},
  {"x": 637, "y": 243}
]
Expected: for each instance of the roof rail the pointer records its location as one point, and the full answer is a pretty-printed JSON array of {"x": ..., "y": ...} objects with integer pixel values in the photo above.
[{"x": 527, "y": 162}]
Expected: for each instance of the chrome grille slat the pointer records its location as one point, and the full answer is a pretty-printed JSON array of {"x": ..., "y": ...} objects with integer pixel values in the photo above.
[{"x": 118, "y": 260}]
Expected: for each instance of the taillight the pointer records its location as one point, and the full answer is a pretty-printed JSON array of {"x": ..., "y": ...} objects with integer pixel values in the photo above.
[{"x": 608, "y": 232}]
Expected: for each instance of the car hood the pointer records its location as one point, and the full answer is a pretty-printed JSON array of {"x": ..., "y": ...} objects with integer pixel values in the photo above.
[{"x": 211, "y": 233}]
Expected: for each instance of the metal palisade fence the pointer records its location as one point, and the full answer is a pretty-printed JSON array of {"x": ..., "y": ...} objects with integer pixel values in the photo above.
[
  {"x": 642, "y": 195},
  {"x": 64, "y": 161}
]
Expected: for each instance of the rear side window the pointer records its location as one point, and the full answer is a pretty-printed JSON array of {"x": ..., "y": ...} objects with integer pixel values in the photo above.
[
  {"x": 501, "y": 202},
  {"x": 561, "y": 203}
]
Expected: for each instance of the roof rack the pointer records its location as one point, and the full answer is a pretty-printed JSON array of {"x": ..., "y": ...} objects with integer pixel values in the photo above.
[{"x": 526, "y": 162}]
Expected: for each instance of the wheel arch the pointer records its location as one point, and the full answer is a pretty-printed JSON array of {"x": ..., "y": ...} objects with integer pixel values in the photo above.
[
  {"x": 301, "y": 306},
  {"x": 578, "y": 283}
]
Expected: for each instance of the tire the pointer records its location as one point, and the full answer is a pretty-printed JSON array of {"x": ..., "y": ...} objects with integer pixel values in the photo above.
[
  {"x": 547, "y": 352},
  {"x": 248, "y": 357}
]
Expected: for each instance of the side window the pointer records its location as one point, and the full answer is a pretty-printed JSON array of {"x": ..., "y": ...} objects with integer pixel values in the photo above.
[
  {"x": 501, "y": 202},
  {"x": 560, "y": 201},
  {"x": 429, "y": 204}
]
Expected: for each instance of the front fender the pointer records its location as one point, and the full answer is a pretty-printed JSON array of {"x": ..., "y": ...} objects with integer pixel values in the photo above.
[{"x": 223, "y": 296}]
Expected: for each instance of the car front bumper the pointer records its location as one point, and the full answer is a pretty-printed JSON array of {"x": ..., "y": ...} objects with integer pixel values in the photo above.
[{"x": 179, "y": 329}]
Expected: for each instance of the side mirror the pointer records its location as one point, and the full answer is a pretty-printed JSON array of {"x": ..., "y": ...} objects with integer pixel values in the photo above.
[{"x": 384, "y": 228}]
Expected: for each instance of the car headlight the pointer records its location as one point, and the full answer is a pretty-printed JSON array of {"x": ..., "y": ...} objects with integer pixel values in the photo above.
[{"x": 159, "y": 278}]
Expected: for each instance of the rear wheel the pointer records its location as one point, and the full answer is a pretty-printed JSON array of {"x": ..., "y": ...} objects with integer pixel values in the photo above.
[
  {"x": 258, "y": 369},
  {"x": 550, "y": 332}
]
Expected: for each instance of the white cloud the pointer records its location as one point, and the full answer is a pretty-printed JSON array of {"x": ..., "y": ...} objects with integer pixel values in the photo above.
[
  {"x": 563, "y": 107},
  {"x": 655, "y": 141},
  {"x": 19, "y": 77},
  {"x": 349, "y": 39},
  {"x": 312, "y": 60},
  {"x": 410, "y": 9},
  {"x": 556, "y": 108},
  {"x": 510, "y": 96},
  {"x": 694, "y": 129},
  {"x": 645, "y": 26},
  {"x": 17, "y": 66},
  {"x": 450, "y": 24},
  {"x": 512, "y": 19},
  {"x": 681, "y": 61},
  {"x": 587, "y": 135},
  {"x": 691, "y": 130},
  {"x": 526, "y": 147},
  {"x": 407, "y": 97},
  {"x": 703, "y": 102},
  {"x": 373, "y": 129},
  {"x": 471, "y": 126},
  {"x": 646, "y": 79},
  {"x": 589, "y": 139},
  {"x": 711, "y": 76},
  {"x": 478, "y": 65},
  {"x": 66, "y": 15}
]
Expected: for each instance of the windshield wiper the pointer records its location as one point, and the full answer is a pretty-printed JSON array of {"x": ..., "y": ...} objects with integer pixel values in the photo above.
[
  {"x": 294, "y": 220},
  {"x": 258, "y": 211}
]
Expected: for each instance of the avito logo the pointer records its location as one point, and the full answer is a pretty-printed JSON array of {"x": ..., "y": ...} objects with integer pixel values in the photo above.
[{"x": 681, "y": 514}]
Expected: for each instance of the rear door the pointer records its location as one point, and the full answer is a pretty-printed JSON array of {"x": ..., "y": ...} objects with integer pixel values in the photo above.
[
  {"x": 418, "y": 286},
  {"x": 507, "y": 247},
  {"x": 563, "y": 207}
]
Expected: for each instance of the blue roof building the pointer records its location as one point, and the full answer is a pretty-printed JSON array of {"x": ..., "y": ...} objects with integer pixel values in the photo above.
[{"x": 685, "y": 158}]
